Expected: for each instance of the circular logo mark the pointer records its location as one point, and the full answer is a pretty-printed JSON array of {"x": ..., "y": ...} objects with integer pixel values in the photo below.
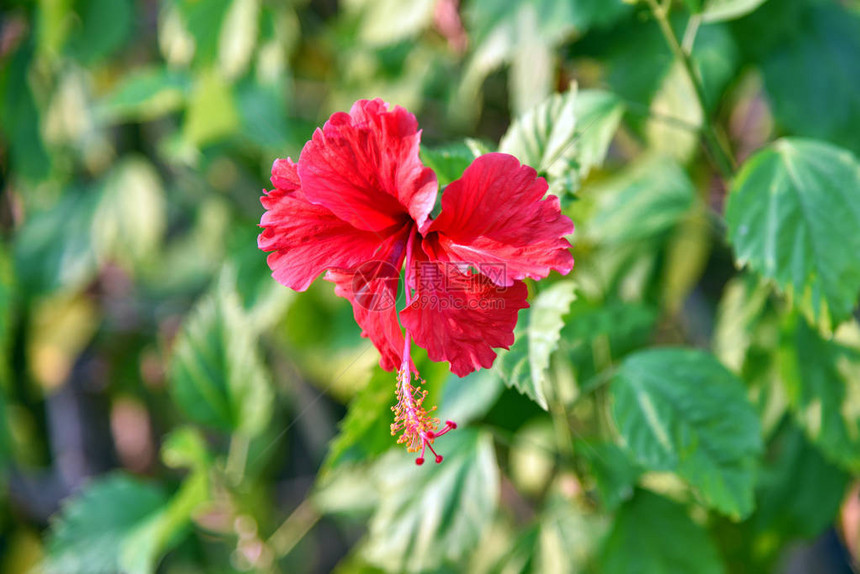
[{"x": 374, "y": 285}]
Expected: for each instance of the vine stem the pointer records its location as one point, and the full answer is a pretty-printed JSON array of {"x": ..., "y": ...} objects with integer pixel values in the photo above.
[
  {"x": 294, "y": 528},
  {"x": 237, "y": 458},
  {"x": 720, "y": 155}
]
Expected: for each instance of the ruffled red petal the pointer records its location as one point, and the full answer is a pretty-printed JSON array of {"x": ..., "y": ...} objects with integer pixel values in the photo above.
[
  {"x": 364, "y": 167},
  {"x": 461, "y": 317},
  {"x": 307, "y": 239},
  {"x": 373, "y": 288},
  {"x": 496, "y": 219}
]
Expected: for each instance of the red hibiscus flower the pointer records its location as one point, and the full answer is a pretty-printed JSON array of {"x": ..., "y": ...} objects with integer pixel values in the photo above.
[{"x": 357, "y": 206}]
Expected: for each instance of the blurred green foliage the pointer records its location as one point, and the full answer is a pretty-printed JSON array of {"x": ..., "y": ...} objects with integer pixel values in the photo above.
[{"x": 687, "y": 400}]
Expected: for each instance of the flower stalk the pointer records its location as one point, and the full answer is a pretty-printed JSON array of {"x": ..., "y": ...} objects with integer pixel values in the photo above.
[
  {"x": 419, "y": 429},
  {"x": 721, "y": 156}
]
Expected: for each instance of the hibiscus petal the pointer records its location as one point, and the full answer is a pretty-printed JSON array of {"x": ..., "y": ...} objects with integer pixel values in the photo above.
[
  {"x": 461, "y": 317},
  {"x": 372, "y": 288},
  {"x": 307, "y": 239},
  {"x": 495, "y": 219},
  {"x": 364, "y": 167}
]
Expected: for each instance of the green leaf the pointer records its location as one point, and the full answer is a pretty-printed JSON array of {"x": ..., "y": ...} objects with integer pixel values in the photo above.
[
  {"x": 615, "y": 475},
  {"x": 131, "y": 217},
  {"x": 146, "y": 94},
  {"x": 741, "y": 308},
  {"x": 365, "y": 432},
  {"x": 680, "y": 410},
  {"x": 555, "y": 19},
  {"x": 144, "y": 546},
  {"x": 102, "y": 26},
  {"x": 469, "y": 398},
  {"x": 822, "y": 379},
  {"x": 8, "y": 296},
  {"x": 87, "y": 536},
  {"x": 565, "y": 540},
  {"x": 821, "y": 32},
  {"x": 185, "y": 447},
  {"x": 216, "y": 373},
  {"x": 525, "y": 364},
  {"x": 793, "y": 215},
  {"x": 21, "y": 120},
  {"x": 800, "y": 493},
  {"x": 597, "y": 333},
  {"x": 54, "y": 248},
  {"x": 569, "y": 538},
  {"x": 676, "y": 98},
  {"x": 204, "y": 21},
  {"x": 262, "y": 111},
  {"x": 449, "y": 162},
  {"x": 719, "y": 10},
  {"x": 645, "y": 202},
  {"x": 566, "y": 136},
  {"x": 7, "y": 440},
  {"x": 652, "y": 535},
  {"x": 545, "y": 323},
  {"x": 637, "y": 62},
  {"x": 745, "y": 338},
  {"x": 436, "y": 512}
]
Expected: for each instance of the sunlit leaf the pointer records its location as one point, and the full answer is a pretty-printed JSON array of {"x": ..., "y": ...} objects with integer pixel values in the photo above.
[
  {"x": 566, "y": 136},
  {"x": 743, "y": 304},
  {"x": 216, "y": 373},
  {"x": 524, "y": 365},
  {"x": 793, "y": 215},
  {"x": 146, "y": 94},
  {"x": 564, "y": 540},
  {"x": 238, "y": 37},
  {"x": 717, "y": 10},
  {"x": 389, "y": 21},
  {"x": 130, "y": 219},
  {"x": 680, "y": 410},
  {"x": 638, "y": 541},
  {"x": 212, "y": 113},
  {"x": 61, "y": 327},
  {"x": 822, "y": 378},
  {"x": 676, "y": 116},
  {"x": 435, "y": 513}
]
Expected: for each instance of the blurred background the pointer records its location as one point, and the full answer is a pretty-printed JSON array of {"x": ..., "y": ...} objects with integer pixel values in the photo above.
[{"x": 165, "y": 405}]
